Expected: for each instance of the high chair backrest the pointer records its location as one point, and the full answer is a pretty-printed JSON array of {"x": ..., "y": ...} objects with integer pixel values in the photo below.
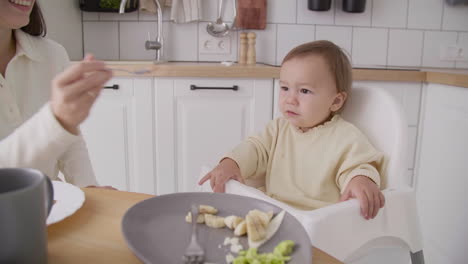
[{"x": 380, "y": 117}]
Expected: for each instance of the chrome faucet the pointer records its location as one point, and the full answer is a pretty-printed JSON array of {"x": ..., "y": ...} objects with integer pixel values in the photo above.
[{"x": 150, "y": 44}]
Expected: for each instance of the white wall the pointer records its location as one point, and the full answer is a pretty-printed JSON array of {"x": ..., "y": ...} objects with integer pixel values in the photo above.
[{"x": 396, "y": 33}]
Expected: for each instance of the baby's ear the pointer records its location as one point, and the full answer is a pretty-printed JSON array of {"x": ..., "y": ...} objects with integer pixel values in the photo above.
[{"x": 338, "y": 101}]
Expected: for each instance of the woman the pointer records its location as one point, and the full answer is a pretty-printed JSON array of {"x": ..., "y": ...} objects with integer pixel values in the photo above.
[{"x": 40, "y": 111}]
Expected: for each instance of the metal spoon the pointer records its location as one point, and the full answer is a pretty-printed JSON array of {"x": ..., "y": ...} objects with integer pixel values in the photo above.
[{"x": 218, "y": 29}]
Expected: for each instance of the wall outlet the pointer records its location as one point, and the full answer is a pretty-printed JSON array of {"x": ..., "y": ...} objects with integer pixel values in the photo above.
[
  {"x": 212, "y": 45},
  {"x": 453, "y": 53}
]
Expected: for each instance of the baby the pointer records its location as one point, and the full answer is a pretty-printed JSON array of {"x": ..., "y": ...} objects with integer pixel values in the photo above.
[{"x": 310, "y": 157}]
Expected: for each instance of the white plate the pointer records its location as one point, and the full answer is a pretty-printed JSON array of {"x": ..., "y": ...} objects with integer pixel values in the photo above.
[{"x": 68, "y": 198}]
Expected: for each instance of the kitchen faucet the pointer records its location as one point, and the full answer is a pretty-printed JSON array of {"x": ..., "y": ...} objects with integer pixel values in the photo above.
[{"x": 150, "y": 44}]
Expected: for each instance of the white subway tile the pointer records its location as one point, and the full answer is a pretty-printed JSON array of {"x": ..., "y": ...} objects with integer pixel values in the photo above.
[
  {"x": 455, "y": 18},
  {"x": 90, "y": 16},
  {"x": 463, "y": 42},
  {"x": 280, "y": 11},
  {"x": 290, "y": 36},
  {"x": 306, "y": 16},
  {"x": 133, "y": 36},
  {"x": 148, "y": 16},
  {"x": 203, "y": 34},
  {"x": 425, "y": 14},
  {"x": 369, "y": 46},
  {"x": 341, "y": 36},
  {"x": 433, "y": 42},
  {"x": 266, "y": 44},
  {"x": 412, "y": 139},
  {"x": 405, "y": 47},
  {"x": 132, "y": 16},
  {"x": 389, "y": 13},
  {"x": 353, "y": 19},
  {"x": 101, "y": 39},
  {"x": 180, "y": 41},
  {"x": 411, "y": 102}
]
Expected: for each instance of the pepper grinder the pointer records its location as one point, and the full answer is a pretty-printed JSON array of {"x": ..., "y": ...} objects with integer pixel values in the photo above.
[
  {"x": 251, "y": 54},
  {"x": 243, "y": 48}
]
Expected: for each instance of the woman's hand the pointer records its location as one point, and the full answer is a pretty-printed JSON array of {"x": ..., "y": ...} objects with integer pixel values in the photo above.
[
  {"x": 75, "y": 90},
  {"x": 227, "y": 169},
  {"x": 368, "y": 194}
]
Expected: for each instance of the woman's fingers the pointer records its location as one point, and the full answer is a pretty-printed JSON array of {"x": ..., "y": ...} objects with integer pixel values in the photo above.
[
  {"x": 92, "y": 80},
  {"x": 77, "y": 71},
  {"x": 382, "y": 199}
]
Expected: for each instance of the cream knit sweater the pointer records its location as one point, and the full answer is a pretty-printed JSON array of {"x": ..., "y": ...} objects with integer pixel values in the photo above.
[{"x": 308, "y": 170}]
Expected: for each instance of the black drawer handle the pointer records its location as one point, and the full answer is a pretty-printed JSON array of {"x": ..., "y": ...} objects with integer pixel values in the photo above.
[
  {"x": 194, "y": 87},
  {"x": 115, "y": 87}
]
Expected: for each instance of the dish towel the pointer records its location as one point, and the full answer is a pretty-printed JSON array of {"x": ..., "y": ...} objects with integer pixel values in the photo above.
[
  {"x": 185, "y": 11},
  {"x": 150, "y": 6},
  {"x": 350, "y": 229}
]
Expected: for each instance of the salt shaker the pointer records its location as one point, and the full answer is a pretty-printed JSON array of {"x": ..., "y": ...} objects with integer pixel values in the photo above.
[
  {"x": 243, "y": 48},
  {"x": 251, "y": 54}
]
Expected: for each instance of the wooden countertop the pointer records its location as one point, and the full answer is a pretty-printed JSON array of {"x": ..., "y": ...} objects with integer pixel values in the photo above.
[
  {"x": 93, "y": 234},
  {"x": 217, "y": 70}
]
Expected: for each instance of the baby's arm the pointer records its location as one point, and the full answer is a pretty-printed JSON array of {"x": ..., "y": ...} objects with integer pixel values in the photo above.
[
  {"x": 248, "y": 159},
  {"x": 368, "y": 194}
]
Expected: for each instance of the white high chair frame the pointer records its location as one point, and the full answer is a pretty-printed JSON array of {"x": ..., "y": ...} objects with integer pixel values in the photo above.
[{"x": 339, "y": 229}]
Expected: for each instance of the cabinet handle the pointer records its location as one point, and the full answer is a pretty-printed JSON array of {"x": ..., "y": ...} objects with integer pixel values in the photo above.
[
  {"x": 115, "y": 87},
  {"x": 194, "y": 87}
]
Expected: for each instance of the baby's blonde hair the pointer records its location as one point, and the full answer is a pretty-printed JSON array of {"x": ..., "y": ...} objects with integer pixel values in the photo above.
[{"x": 338, "y": 63}]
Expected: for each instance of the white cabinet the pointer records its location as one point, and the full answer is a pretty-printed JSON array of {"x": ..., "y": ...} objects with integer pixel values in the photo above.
[
  {"x": 196, "y": 127},
  {"x": 442, "y": 173},
  {"x": 119, "y": 135}
]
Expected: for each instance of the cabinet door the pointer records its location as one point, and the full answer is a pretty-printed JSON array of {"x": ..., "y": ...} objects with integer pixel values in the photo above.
[
  {"x": 119, "y": 135},
  {"x": 196, "y": 127}
]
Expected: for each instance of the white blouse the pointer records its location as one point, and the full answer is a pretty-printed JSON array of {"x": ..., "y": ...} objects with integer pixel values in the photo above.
[{"x": 30, "y": 135}]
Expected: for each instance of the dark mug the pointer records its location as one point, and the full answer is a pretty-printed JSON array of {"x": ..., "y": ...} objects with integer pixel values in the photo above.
[
  {"x": 26, "y": 198},
  {"x": 319, "y": 5},
  {"x": 354, "y": 6}
]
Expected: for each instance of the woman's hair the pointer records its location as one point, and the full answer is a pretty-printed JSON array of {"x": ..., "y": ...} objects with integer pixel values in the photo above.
[
  {"x": 36, "y": 26},
  {"x": 338, "y": 63}
]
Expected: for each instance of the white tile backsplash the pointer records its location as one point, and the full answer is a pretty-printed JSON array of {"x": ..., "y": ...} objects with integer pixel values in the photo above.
[
  {"x": 133, "y": 36},
  {"x": 280, "y": 11},
  {"x": 341, "y": 36},
  {"x": 392, "y": 14},
  {"x": 306, "y": 16},
  {"x": 463, "y": 42},
  {"x": 353, "y": 19},
  {"x": 369, "y": 46},
  {"x": 180, "y": 41},
  {"x": 290, "y": 36},
  {"x": 405, "y": 47},
  {"x": 101, "y": 39},
  {"x": 132, "y": 16},
  {"x": 389, "y": 33},
  {"x": 425, "y": 14},
  {"x": 433, "y": 41},
  {"x": 455, "y": 17}
]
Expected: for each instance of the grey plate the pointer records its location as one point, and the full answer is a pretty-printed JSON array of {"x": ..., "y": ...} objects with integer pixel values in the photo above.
[{"x": 156, "y": 231}]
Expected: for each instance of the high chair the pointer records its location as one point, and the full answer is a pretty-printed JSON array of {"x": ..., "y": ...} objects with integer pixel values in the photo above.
[{"x": 339, "y": 229}]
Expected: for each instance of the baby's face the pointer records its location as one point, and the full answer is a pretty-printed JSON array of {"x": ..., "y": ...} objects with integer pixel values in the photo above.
[{"x": 308, "y": 91}]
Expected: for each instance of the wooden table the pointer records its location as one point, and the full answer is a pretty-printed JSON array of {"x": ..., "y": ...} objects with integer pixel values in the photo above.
[{"x": 93, "y": 234}]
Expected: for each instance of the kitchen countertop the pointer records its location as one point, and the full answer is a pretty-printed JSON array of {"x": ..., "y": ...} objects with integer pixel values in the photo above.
[
  {"x": 93, "y": 234},
  {"x": 217, "y": 70}
]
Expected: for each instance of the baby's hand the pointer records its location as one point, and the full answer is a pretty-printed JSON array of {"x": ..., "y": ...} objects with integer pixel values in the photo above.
[
  {"x": 368, "y": 194},
  {"x": 227, "y": 169}
]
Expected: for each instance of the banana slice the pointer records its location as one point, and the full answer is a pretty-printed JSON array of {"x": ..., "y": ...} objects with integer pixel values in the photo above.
[
  {"x": 256, "y": 227},
  {"x": 273, "y": 226},
  {"x": 241, "y": 229},
  {"x": 207, "y": 209},
  {"x": 200, "y": 218},
  {"x": 214, "y": 221},
  {"x": 232, "y": 221}
]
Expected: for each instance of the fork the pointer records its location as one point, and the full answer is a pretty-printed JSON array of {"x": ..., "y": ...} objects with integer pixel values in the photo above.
[
  {"x": 194, "y": 254},
  {"x": 141, "y": 71}
]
